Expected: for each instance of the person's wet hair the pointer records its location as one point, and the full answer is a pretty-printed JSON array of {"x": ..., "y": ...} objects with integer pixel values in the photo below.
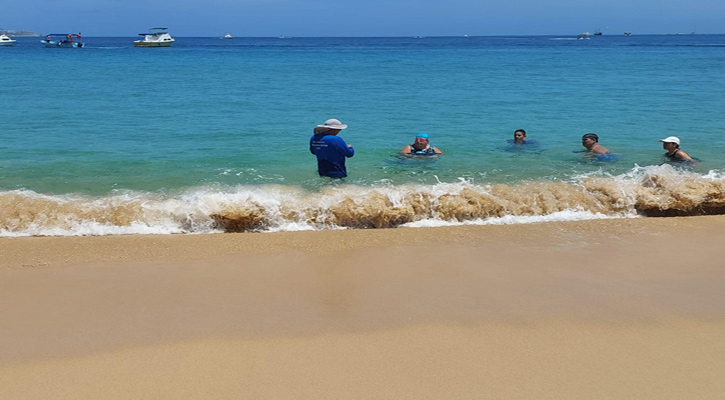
[
  {"x": 520, "y": 130},
  {"x": 591, "y": 136}
]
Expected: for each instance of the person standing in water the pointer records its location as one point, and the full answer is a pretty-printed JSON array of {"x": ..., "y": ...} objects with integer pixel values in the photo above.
[
  {"x": 330, "y": 149},
  {"x": 421, "y": 147},
  {"x": 672, "y": 145}
]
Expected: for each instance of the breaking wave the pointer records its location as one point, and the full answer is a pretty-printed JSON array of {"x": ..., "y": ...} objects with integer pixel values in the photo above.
[{"x": 657, "y": 191}]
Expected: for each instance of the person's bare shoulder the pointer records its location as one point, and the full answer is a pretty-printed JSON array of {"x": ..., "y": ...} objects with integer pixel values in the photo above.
[
  {"x": 599, "y": 149},
  {"x": 683, "y": 156}
]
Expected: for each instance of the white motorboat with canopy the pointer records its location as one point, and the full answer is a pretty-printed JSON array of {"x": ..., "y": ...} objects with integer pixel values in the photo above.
[
  {"x": 156, "y": 37},
  {"x": 6, "y": 41}
]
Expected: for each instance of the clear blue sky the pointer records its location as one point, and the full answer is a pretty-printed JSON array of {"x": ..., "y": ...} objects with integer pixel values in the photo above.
[{"x": 363, "y": 17}]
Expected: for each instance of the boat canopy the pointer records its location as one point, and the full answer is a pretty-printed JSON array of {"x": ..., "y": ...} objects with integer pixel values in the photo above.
[{"x": 150, "y": 32}]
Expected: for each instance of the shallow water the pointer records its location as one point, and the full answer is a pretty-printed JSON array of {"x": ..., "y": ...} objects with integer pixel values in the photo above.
[{"x": 213, "y": 134}]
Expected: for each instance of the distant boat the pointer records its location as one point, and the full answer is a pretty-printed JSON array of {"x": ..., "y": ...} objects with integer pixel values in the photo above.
[
  {"x": 283, "y": 37},
  {"x": 419, "y": 37},
  {"x": 627, "y": 33},
  {"x": 6, "y": 41},
  {"x": 584, "y": 36},
  {"x": 227, "y": 36},
  {"x": 597, "y": 33},
  {"x": 157, "y": 37},
  {"x": 62, "y": 40}
]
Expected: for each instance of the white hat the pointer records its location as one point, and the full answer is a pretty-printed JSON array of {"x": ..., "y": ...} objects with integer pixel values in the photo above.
[
  {"x": 671, "y": 139},
  {"x": 333, "y": 124}
]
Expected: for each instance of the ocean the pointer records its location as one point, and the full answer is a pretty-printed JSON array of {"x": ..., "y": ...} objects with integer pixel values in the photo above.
[{"x": 212, "y": 135}]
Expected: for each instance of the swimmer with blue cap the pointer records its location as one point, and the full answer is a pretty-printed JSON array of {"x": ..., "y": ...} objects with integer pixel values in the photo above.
[{"x": 421, "y": 146}]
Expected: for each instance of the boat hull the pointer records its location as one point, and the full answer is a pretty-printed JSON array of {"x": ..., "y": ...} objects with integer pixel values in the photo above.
[
  {"x": 151, "y": 44},
  {"x": 65, "y": 45},
  {"x": 7, "y": 43}
]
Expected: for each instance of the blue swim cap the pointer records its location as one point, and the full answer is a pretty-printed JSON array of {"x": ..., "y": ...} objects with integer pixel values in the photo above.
[{"x": 422, "y": 135}]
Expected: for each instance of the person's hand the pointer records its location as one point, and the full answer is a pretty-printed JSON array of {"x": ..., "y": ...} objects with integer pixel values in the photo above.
[{"x": 349, "y": 145}]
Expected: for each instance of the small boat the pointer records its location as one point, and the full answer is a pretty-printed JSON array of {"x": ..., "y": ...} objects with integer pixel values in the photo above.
[
  {"x": 627, "y": 33},
  {"x": 156, "y": 37},
  {"x": 597, "y": 33},
  {"x": 227, "y": 36},
  {"x": 61, "y": 40},
  {"x": 584, "y": 36},
  {"x": 6, "y": 41}
]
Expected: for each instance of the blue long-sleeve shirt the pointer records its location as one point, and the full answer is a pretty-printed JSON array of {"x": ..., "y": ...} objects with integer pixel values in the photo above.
[{"x": 331, "y": 152}]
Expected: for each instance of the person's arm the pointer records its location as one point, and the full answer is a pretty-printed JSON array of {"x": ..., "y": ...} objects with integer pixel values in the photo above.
[
  {"x": 435, "y": 150},
  {"x": 344, "y": 148},
  {"x": 683, "y": 156},
  {"x": 406, "y": 150}
]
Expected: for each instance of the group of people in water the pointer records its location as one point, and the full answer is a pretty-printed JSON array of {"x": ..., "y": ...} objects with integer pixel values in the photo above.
[
  {"x": 331, "y": 151},
  {"x": 590, "y": 141}
]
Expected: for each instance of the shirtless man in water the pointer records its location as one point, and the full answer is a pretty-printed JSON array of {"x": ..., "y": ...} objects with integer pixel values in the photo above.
[{"x": 591, "y": 142}]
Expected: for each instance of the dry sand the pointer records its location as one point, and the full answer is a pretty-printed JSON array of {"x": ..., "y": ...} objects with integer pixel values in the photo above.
[{"x": 609, "y": 309}]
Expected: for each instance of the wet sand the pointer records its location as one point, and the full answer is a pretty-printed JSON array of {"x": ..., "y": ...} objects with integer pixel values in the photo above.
[{"x": 581, "y": 310}]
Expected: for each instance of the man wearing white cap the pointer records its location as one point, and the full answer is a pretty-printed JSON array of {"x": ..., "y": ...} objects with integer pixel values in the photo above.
[
  {"x": 330, "y": 149},
  {"x": 672, "y": 145}
]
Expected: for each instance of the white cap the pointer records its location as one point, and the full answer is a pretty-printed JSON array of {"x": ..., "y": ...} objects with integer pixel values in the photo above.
[
  {"x": 333, "y": 124},
  {"x": 671, "y": 139}
]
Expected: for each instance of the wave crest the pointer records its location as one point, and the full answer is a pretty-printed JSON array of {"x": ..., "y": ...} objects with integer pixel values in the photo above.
[{"x": 647, "y": 191}]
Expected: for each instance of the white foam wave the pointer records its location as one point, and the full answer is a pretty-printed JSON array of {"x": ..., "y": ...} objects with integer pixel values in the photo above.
[
  {"x": 653, "y": 190},
  {"x": 561, "y": 216}
]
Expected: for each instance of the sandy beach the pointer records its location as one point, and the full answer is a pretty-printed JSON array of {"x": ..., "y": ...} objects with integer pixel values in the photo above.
[{"x": 604, "y": 309}]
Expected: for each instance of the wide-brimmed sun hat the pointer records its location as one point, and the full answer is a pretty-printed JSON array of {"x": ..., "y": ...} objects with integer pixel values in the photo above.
[
  {"x": 671, "y": 139},
  {"x": 333, "y": 123}
]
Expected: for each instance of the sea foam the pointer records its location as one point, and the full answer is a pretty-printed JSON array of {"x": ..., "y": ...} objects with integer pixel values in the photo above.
[{"x": 643, "y": 191}]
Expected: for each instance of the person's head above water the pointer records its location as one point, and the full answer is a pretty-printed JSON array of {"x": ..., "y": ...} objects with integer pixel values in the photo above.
[
  {"x": 519, "y": 136},
  {"x": 421, "y": 141},
  {"x": 591, "y": 142},
  {"x": 670, "y": 141}
]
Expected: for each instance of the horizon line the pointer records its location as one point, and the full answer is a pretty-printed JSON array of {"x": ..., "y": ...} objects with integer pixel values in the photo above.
[{"x": 392, "y": 36}]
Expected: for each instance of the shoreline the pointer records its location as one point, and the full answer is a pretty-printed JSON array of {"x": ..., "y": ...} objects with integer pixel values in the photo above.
[
  {"x": 43, "y": 251},
  {"x": 589, "y": 309}
]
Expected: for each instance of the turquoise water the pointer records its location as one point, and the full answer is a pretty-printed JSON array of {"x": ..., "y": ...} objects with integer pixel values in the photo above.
[{"x": 235, "y": 116}]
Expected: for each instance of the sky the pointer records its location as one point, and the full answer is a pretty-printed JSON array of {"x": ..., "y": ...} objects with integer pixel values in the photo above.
[{"x": 271, "y": 18}]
